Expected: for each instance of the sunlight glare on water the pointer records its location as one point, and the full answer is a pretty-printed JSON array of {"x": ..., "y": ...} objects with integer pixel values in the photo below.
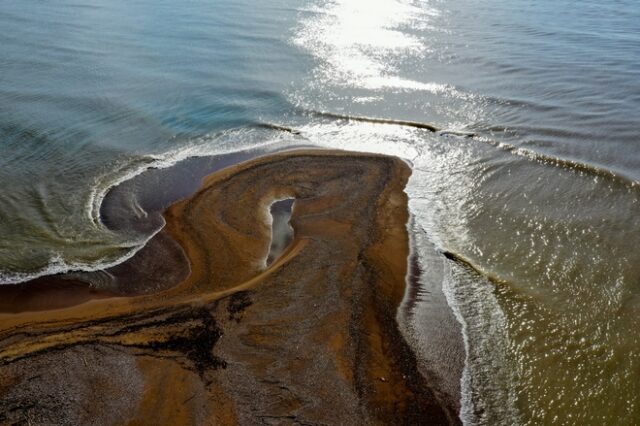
[{"x": 358, "y": 40}]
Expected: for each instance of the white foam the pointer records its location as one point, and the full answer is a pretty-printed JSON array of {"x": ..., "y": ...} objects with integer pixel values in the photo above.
[
  {"x": 58, "y": 265},
  {"x": 466, "y": 403}
]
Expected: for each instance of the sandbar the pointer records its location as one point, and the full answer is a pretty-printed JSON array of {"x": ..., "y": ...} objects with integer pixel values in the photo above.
[{"x": 310, "y": 338}]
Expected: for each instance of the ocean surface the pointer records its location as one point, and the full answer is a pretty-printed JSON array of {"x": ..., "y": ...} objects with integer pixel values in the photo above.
[{"x": 538, "y": 212}]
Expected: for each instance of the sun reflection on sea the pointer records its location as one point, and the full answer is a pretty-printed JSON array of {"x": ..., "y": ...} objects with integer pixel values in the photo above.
[{"x": 357, "y": 42}]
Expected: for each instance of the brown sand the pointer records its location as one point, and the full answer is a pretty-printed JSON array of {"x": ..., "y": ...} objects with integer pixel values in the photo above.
[{"x": 312, "y": 339}]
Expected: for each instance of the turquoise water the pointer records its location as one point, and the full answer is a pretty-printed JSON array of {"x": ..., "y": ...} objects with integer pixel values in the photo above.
[{"x": 543, "y": 203}]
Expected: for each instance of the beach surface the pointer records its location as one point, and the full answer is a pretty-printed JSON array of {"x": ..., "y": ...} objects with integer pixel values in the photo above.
[{"x": 222, "y": 337}]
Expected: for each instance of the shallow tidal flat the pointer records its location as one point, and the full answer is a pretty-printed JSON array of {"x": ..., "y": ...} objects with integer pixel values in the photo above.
[{"x": 309, "y": 338}]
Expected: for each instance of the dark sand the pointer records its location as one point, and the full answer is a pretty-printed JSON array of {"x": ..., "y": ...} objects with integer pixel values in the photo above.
[{"x": 311, "y": 339}]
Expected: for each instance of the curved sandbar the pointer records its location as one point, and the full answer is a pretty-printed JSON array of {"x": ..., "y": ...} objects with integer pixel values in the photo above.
[{"x": 312, "y": 339}]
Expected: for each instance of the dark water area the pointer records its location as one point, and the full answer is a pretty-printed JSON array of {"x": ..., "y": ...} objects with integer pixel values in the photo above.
[
  {"x": 110, "y": 111},
  {"x": 153, "y": 191}
]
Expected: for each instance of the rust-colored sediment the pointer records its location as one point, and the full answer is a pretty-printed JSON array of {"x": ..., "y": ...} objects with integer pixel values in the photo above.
[{"x": 312, "y": 339}]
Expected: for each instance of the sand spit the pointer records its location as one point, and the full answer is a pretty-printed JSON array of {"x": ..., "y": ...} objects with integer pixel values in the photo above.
[{"x": 312, "y": 339}]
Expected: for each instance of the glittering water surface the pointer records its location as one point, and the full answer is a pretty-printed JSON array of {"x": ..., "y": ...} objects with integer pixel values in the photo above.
[{"x": 540, "y": 208}]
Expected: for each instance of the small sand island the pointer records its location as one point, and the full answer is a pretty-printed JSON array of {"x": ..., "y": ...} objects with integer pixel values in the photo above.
[{"x": 310, "y": 337}]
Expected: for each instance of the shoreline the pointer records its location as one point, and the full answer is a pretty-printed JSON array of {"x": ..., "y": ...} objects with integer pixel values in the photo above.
[{"x": 315, "y": 329}]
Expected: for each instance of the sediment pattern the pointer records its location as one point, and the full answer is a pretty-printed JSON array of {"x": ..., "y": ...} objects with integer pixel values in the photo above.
[{"x": 311, "y": 339}]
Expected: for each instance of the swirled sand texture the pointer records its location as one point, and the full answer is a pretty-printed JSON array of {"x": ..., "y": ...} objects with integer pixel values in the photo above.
[{"x": 310, "y": 339}]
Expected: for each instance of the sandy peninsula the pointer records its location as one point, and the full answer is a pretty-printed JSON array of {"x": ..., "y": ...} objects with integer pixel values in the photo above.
[{"x": 311, "y": 338}]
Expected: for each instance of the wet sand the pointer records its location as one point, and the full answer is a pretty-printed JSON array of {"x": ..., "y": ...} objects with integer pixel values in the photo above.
[{"x": 310, "y": 339}]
